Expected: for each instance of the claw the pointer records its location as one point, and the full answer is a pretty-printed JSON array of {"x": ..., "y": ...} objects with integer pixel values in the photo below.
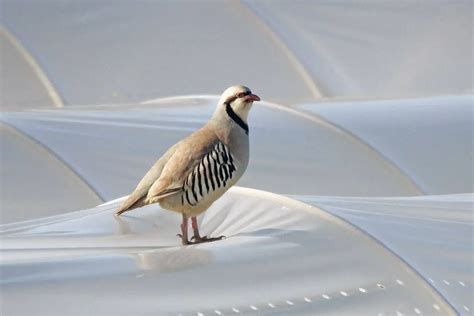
[
  {"x": 206, "y": 239},
  {"x": 199, "y": 238}
]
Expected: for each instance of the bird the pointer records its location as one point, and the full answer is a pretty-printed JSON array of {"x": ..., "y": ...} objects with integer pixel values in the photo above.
[{"x": 195, "y": 172}]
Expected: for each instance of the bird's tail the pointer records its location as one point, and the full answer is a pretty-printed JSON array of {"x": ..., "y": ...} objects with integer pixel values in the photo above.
[
  {"x": 129, "y": 205},
  {"x": 139, "y": 199}
]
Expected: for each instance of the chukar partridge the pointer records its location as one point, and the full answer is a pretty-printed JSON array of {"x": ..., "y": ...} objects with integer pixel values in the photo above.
[{"x": 196, "y": 171}]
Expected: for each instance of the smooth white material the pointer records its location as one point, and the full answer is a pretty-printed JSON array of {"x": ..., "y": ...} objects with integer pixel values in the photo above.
[
  {"x": 430, "y": 139},
  {"x": 23, "y": 81},
  {"x": 377, "y": 49},
  {"x": 111, "y": 148},
  {"x": 324, "y": 148},
  {"x": 281, "y": 257},
  {"x": 431, "y": 233},
  {"x": 95, "y": 53},
  {"x": 398, "y": 256},
  {"x": 34, "y": 182}
]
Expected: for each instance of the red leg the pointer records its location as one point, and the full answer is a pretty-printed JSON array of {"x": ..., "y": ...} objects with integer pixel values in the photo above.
[
  {"x": 184, "y": 231},
  {"x": 194, "y": 224}
]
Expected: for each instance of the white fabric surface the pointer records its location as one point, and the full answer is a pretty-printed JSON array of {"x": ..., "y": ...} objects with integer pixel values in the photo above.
[
  {"x": 434, "y": 234},
  {"x": 35, "y": 182},
  {"x": 95, "y": 53},
  {"x": 333, "y": 64},
  {"x": 429, "y": 139},
  {"x": 281, "y": 257},
  {"x": 378, "y": 49},
  {"x": 98, "y": 53},
  {"x": 324, "y": 148},
  {"x": 111, "y": 148},
  {"x": 20, "y": 85}
]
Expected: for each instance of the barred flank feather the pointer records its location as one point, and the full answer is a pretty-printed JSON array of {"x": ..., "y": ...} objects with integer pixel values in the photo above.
[{"x": 213, "y": 172}]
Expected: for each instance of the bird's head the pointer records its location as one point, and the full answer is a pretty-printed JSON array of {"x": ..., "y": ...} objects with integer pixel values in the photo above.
[{"x": 237, "y": 100}]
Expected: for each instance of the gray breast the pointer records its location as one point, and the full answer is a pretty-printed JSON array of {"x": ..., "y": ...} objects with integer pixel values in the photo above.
[{"x": 213, "y": 173}]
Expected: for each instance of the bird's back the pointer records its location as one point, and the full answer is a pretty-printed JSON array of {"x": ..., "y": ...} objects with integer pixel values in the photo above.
[
  {"x": 168, "y": 174},
  {"x": 137, "y": 197},
  {"x": 191, "y": 175}
]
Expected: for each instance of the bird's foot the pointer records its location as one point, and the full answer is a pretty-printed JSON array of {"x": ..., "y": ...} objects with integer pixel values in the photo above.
[{"x": 199, "y": 239}]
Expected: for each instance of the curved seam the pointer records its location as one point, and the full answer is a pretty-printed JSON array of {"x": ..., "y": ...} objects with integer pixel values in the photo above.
[
  {"x": 315, "y": 118},
  {"x": 12, "y": 228},
  {"x": 52, "y": 92},
  {"x": 321, "y": 212},
  {"x": 351, "y": 137},
  {"x": 313, "y": 209},
  {"x": 55, "y": 156},
  {"x": 299, "y": 67},
  {"x": 179, "y": 98},
  {"x": 382, "y": 215},
  {"x": 387, "y": 248},
  {"x": 318, "y": 211}
]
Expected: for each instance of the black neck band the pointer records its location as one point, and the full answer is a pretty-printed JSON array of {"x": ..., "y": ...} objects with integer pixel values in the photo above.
[{"x": 236, "y": 118}]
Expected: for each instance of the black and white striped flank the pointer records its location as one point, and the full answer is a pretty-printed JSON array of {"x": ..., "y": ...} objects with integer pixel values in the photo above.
[{"x": 213, "y": 172}]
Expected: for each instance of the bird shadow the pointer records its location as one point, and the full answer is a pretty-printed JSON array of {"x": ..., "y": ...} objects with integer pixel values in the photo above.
[
  {"x": 171, "y": 259},
  {"x": 302, "y": 238}
]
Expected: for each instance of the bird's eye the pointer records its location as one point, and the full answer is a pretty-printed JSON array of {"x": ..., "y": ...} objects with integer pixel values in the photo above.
[{"x": 243, "y": 94}]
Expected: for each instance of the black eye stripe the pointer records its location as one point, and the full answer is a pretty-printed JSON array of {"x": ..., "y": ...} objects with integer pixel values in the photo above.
[
  {"x": 243, "y": 94},
  {"x": 237, "y": 96}
]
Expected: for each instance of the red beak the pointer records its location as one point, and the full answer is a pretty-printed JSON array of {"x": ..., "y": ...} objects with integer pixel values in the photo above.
[{"x": 252, "y": 97}]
